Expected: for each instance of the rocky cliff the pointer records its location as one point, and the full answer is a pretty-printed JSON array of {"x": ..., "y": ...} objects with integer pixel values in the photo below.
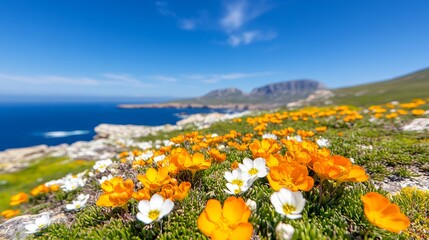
[{"x": 296, "y": 87}]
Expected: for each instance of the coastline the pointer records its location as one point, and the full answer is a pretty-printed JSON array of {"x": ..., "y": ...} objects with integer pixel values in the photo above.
[
  {"x": 106, "y": 143},
  {"x": 230, "y": 106}
]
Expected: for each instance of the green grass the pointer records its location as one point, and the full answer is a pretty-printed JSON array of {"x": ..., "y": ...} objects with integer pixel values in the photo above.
[
  {"x": 41, "y": 171},
  {"x": 405, "y": 88}
]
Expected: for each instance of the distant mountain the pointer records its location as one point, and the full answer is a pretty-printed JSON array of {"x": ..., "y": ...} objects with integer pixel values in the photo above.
[
  {"x": 402, "y": 88},
  {"x": 279, "y": 93},
  {"x": 286, "y": 91},
  {"x": 224, "y": 93}
]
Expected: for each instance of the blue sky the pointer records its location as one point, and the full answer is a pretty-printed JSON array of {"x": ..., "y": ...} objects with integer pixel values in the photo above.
[{"x": 187, "y": 48}]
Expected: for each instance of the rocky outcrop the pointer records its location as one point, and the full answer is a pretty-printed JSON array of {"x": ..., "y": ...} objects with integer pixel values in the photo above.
[
  {"x": 221, "y": 94},
  {"x": 281, "y": 89},
  {"x": 418, "y": 124},
  {"x": 12, "y": 160},
  {"x": 318, "y": 97},
  {"x": 15, "y": 228},
  {"x": 262, "y": 98}
]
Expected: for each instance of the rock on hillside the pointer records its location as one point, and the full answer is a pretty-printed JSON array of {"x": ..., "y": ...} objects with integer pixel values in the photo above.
[
  {"x": 224, "y": 93},
  {"x": 297, "y": 87}
]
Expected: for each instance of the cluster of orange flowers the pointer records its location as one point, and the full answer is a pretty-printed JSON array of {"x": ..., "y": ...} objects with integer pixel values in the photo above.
[
  {"x": 393, "y": 110},
  {"x": 23, "y": 197}
]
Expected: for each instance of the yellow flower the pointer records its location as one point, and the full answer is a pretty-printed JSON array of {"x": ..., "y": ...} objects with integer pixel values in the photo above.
[
  {"x": 380, "y": 212},
  {"x": 229, "y": 222},
  {"x": 9, "y": 213},
  {"x": 154, "y": 179},
  {"x": 18, "y": 199},
  {"x": 117, "y": 192}
]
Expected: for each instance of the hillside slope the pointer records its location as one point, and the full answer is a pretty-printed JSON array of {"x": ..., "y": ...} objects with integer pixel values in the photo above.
[{"x": 404, "y": 88}]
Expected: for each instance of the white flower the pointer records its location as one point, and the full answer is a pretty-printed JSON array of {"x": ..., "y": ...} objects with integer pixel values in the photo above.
[
  {"x": 78, "y": 203},
  {"x": 296, "y": 138},
  {"x": 167, "y": 143},
  {"x": 254, "y": 168},
  {"x": 154, "y": 209},
  {"x": 102, "y": 165},
  {"x": 322, "y": 142},
  {"x": 144, "y": 145},
  {"x": 284, "y": 231},
  {"x": 159, "y": 158},
  {"x": 104, "y": 178},
  {"x": 269, "y": 136},
  {"x": 288, "y": 203},
  {"x": 147, "y": 155},
  {"x": 251, "y": 204},
  {"x": 221, "y": 147},
  {"x": 237, "y": 182},
  {"x": 39, "y": 223}
]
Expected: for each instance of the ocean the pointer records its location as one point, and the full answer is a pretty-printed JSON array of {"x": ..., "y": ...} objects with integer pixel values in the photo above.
[{"x": 29, "y": 124}]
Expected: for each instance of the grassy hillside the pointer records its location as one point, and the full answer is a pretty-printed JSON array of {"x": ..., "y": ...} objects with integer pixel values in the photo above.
[{"x": 404, "y": 88}]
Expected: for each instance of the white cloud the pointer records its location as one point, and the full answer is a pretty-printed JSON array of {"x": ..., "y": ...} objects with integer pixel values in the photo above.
[
  {"x": 109, "y": 79},
  {"x": 123, "y": 79},
  {"x": 235, "y": 15},
  {"x": 248, "y": 37},
  {"x": 163, "y": 9},
  {"x": 187, "y": 24},
  {"x": 214, "y": 78},
  {"x": 164, "y": 78},
  {"x": 238, "y": 14},
  {"x": 49, "y": 80}
]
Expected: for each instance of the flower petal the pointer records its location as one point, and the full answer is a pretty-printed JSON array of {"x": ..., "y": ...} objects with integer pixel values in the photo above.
[
  {"x": 144, "y": 218},
  {"x": 242, "y": 231}
]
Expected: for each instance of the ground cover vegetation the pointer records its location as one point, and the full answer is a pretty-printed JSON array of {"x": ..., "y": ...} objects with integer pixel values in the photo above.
[{"x": 310, "y": 173}]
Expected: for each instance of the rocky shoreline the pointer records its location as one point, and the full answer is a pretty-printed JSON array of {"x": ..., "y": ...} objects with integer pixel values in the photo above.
[
  {"x": 231, "y": 106},
  {"x": 108, "y": 141}
]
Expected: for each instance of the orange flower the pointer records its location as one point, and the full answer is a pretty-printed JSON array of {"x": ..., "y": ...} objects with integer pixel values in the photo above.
[
  {"x": 39, "y": 189},
  {"x": 154, "y": 179},
  {"x": 291, "y": 176},
  {"x": 264, "y": 148},
  {"x": 196, "y": 163},
  {"x": 54, "y": 188},
  {"x": 142, "y": 194},
  {"x": 339, "y": 168},
  {"x": 234, "y": 165},
  {"x": 18, "y": 199},
  {"x": 380, "y": 212},
  {"x": 9, "y": 213},
  {"x": 167, "y": 191},
  {"x": 216, "y": 155},
  {"x": 418, "y": 112},
  {"x": 321, "y": 129},
  {"x": 117, "y": 192},
  {"x": 229, "y": 222},
  {"x": 181, "y": 191}
]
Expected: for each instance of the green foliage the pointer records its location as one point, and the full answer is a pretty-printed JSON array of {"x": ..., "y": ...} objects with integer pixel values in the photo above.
[
  {"x": 414, "y": 85},
  {"x": 40, "y": 171}
]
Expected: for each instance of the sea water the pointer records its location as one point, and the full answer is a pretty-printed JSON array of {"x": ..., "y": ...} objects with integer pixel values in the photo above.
[{"x": 29, "y": 124}]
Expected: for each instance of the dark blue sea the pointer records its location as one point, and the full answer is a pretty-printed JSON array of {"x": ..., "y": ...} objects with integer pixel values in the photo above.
[{"x": 28, "y": 124}]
